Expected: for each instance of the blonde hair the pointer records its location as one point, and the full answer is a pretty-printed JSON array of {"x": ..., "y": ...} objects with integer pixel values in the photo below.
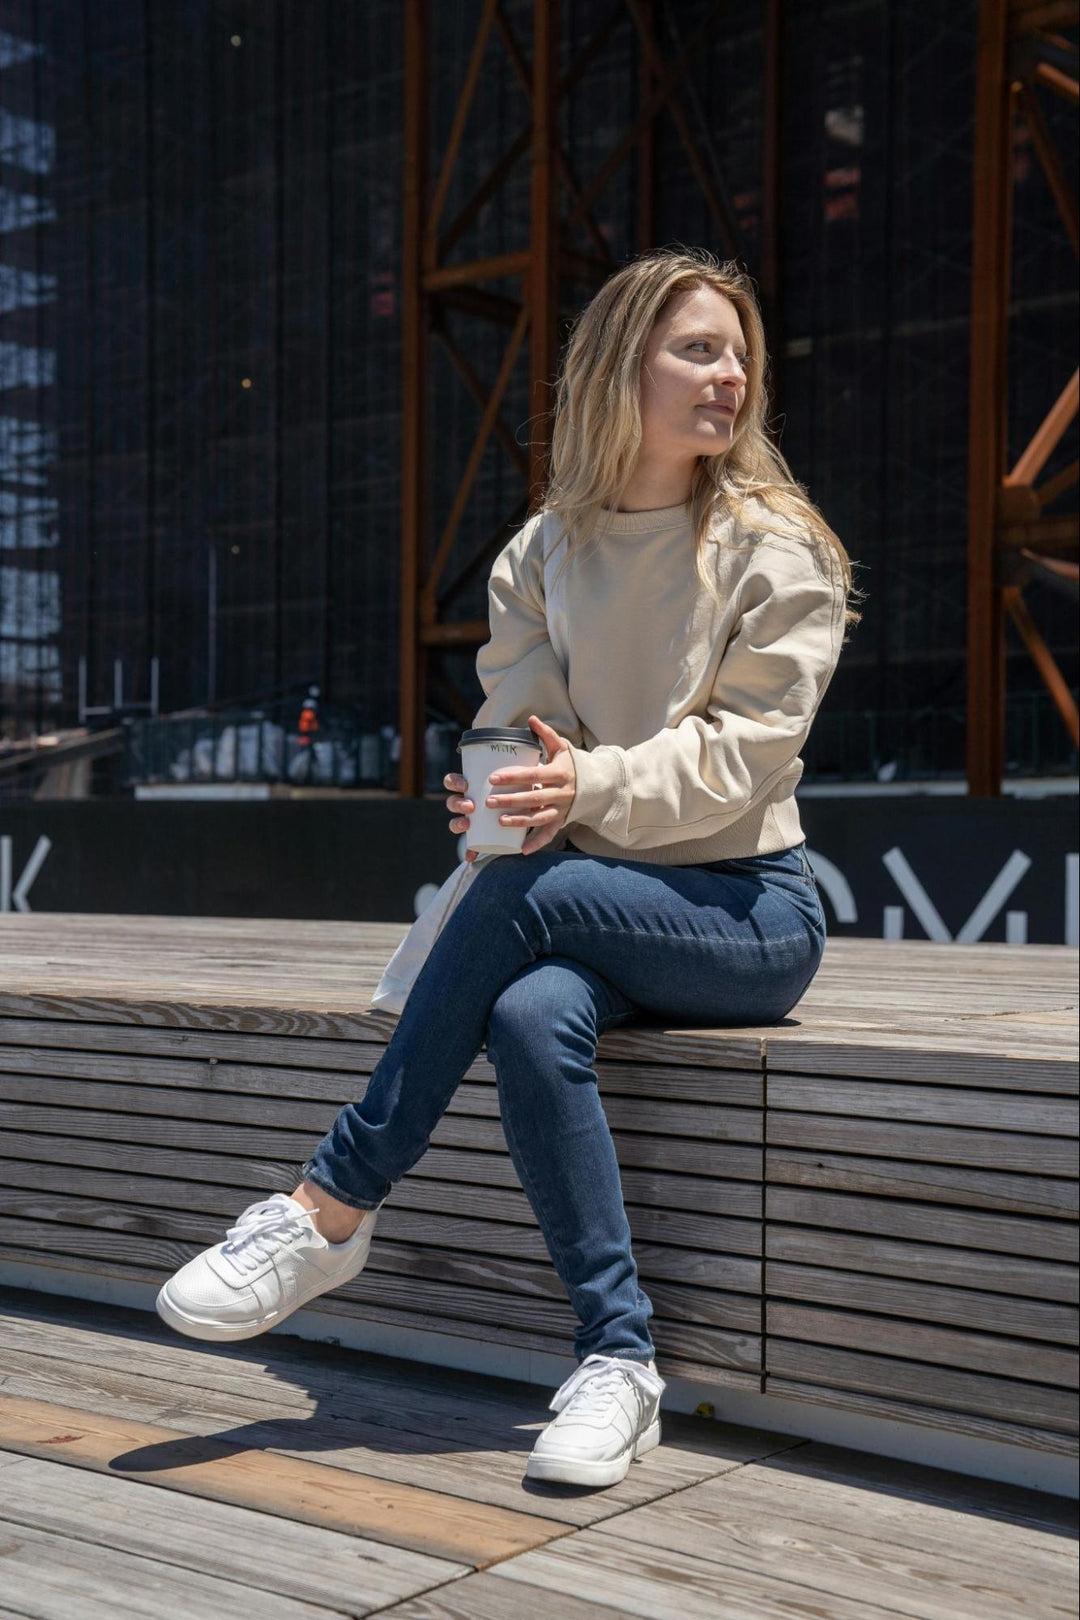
[{"x": 597, "y": 429}]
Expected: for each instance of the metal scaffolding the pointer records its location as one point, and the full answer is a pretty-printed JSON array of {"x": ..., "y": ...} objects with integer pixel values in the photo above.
[
  {"x": 566, "y": 250},
  {"x": 1012, "y": 537}
]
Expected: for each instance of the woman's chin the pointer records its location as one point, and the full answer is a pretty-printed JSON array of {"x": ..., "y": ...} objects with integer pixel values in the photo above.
[{"x": 711, "y": 440}]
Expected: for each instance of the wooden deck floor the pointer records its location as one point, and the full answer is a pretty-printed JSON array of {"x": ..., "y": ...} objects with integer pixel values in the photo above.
[{"x": 143, "y": 1475}]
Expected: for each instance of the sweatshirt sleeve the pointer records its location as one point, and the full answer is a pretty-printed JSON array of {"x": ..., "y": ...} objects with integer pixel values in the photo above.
[
  {"x": 697, "y": 777},
  {"x": 518, "y": 668}
]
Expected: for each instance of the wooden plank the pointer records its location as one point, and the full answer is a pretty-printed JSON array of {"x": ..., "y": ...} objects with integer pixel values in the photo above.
[
  {"x": 928, "y": 1262},
  {"x": 302, "y": 1561},
  {"x": 1001, "y": 1354},
  {"x": 925, "y": 1302},
  {"x": 124, "y": 1036},
  {"x": 483, "y": 1597},
  {"x": 904, "y": 1178},
  {"x": 435, "y": 1524},
  {"x": 704, "y": 1122},
  {"x": 645, "y": 1580},
  {"x": 996, "y": 1232},
  {"x": 292, "y": 1066},
  {"x": 916, "y": 1500},
  {"x": 53, "y": 1577},
  {"x": 484, "y": 1136},
  {"x": 1001, "y": 1150},
  {"x": 482, "y": 1248},
  {"x": 866, "y": 1534},
  {"x": 895, "y": 1409},
  {"x": 973, "y": 1056},
  {"x": 710, "y": 1049},
  {"x": 956, "y": 1391},
  {"x": 418, "y": 1210},
  {"x": 751, "y": 1525},
  {"x": 931, "y": 1105},
  {"x": 444, "y": 1180}
]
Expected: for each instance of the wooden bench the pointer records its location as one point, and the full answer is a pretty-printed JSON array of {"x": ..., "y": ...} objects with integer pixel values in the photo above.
[{"x": 872, "y": 1206}]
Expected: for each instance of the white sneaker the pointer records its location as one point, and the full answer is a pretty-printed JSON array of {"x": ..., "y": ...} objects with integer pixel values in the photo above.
[
  {"x": 609, "y": 1413},
  {"x": 271, "y": 1262}
]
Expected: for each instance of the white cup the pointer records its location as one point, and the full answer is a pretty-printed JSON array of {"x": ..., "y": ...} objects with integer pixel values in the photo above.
[{"x": 487, "y": 749}]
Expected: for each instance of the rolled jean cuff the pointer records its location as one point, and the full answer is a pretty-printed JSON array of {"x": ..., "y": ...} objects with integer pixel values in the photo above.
[{"x": 308, "y": 1174}]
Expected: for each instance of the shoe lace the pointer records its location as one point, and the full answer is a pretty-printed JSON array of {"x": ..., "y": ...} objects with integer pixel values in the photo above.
[
  {"x": 591, "y": 1389},
  {"x": 261, "y": 1227}
]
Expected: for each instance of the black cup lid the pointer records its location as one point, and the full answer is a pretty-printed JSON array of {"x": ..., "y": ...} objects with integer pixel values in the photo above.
[{"x": 488, "y": 734}]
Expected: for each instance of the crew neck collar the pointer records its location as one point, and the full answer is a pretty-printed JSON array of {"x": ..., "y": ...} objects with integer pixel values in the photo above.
[{"x": 647, "y": 522}]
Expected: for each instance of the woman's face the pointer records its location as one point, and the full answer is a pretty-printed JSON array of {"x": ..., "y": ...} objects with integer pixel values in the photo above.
[{"x": 692, "y": 378}]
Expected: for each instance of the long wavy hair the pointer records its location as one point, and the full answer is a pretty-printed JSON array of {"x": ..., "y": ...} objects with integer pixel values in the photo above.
[{"x": 597, "y": 429}]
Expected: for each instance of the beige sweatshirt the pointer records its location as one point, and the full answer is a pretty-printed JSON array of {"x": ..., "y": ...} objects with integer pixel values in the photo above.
[{"x": 686, "y": 719}]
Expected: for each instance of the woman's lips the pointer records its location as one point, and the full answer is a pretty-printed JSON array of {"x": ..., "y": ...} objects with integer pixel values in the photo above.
[{"x": 720, "y": 410}]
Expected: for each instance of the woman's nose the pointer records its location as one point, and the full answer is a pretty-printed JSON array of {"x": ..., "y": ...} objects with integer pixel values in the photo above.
[{"x": 729, "y": 373}]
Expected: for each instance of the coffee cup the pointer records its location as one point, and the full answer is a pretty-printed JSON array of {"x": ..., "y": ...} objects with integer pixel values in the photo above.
[{"x": 483, "y": 750}]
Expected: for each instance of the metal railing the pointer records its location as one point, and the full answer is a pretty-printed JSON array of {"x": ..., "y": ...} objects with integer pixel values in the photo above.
[
  {"x": 265, "y": 745},
  {"x": 912, "y": 745}
]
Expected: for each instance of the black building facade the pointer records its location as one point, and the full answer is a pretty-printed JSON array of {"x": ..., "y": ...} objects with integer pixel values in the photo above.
[{"x": 200, "y": 222}]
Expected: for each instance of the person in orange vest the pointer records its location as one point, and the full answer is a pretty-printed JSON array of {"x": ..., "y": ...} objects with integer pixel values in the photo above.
[
  {"x": 307, "y": 726},
  {"x": 308, "y": 723}
]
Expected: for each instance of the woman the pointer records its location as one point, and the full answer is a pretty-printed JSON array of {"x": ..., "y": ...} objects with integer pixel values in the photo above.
[{"x": 664, "y": 874}]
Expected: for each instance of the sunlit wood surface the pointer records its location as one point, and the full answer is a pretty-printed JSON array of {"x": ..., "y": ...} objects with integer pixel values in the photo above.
[{"x": 144, "y": 1474}]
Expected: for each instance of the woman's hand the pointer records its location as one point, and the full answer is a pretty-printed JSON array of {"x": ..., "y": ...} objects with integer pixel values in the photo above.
[
  {"x": 543, "y": 808},
  {"x": 455, "y": 802}
]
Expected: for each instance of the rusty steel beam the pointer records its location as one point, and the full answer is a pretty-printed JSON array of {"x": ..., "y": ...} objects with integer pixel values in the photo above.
[
  {"x": 1005, "y": 508},
  {"x": 1047, "y": 436},
  {"x": 1044, "y": 661},
  {"x": 1053, "y": 168},
  {"x": 543, "y": 276},
  {"x": 414, "y": 349}
]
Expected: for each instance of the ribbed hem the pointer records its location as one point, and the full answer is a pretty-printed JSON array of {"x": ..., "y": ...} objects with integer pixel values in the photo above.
[{"x": 765, "y": 830}]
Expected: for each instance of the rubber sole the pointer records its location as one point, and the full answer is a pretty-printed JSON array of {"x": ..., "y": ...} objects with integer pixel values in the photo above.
[
  {"x": 194, "y": 1327},
  {"x": 585, "y": 1471},
  {"x": 213, "y": 1332}
]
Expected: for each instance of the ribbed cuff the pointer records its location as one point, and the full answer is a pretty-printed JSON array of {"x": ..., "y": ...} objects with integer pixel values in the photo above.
[{"x": 600, "y": 777}]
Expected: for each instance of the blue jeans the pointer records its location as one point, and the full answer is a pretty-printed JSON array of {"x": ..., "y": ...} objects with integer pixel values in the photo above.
[{"x": 543, "y": 954}]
